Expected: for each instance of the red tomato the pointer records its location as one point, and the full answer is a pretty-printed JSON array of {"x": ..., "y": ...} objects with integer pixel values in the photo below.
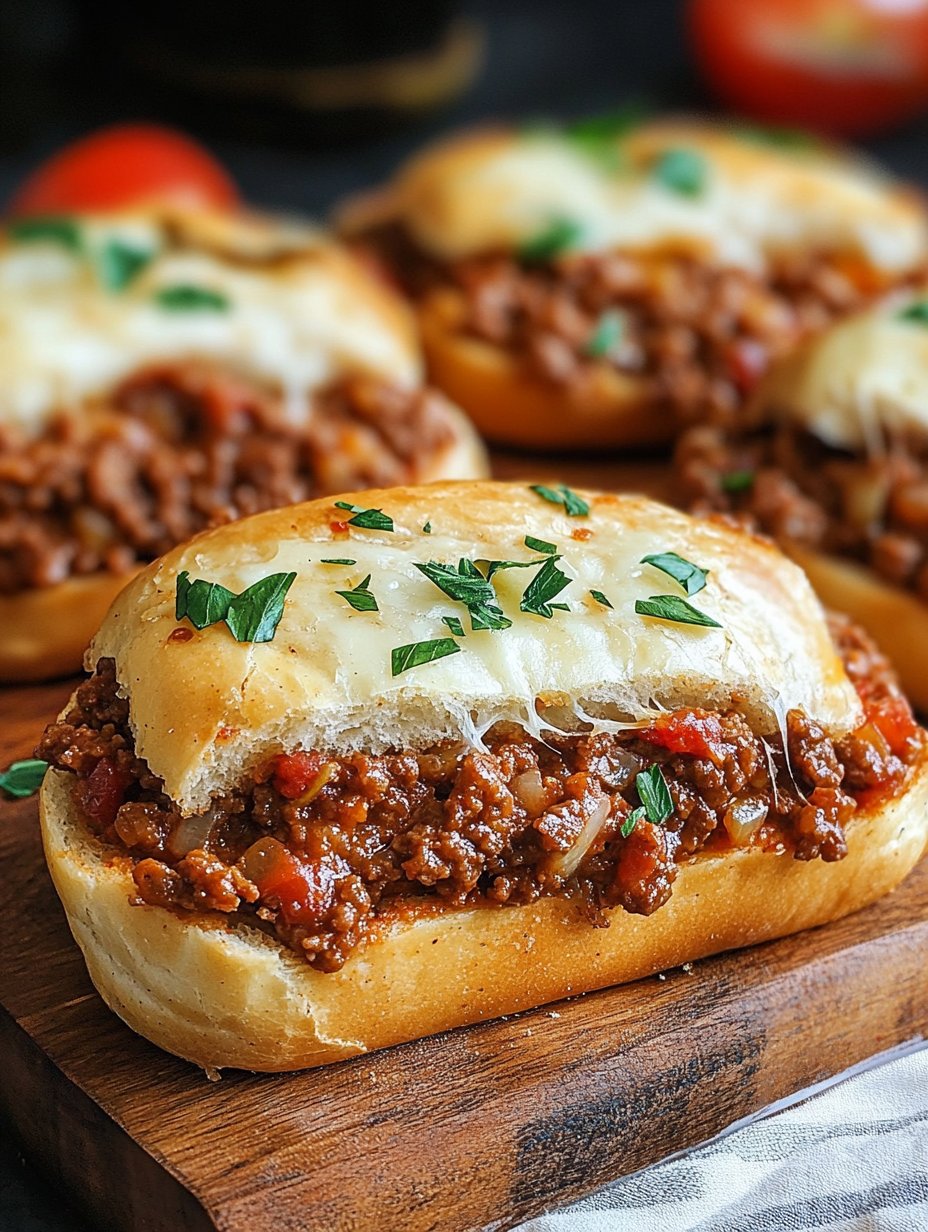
[
  {"x": 127, "y": 165},
  {"x": 695, "y": 732},
  {"x": 300, "y": 892},
  {"x": 893, "y": 719},
  {"x": 847, "y": 67},
  {"x": 293, "y": 772},
  {"x": 103, "y": 791}
]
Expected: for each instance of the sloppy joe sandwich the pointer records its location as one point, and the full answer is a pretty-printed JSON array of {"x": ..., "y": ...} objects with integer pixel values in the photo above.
[
  {"x": 360, "y": 770},
  {"x": 596, "y": 285},
  {"x": 162, "y": 371},
  {"x": 832, "y": 461}
]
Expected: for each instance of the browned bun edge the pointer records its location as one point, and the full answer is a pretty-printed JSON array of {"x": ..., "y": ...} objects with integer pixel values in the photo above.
[
  {"x": 44, "y": 632},
  {"x": 896, "y": 619},
  {"x": 510, "y": 407},
  {"x": 222, "y": 994}
]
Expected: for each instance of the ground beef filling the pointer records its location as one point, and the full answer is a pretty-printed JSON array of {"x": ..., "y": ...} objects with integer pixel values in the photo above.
[
  {"x": 700, "y": 337},
  {"x": 319, "y": 848},
  {"x": 791, "y": 486},
  {"x": 180, "y": 448}
]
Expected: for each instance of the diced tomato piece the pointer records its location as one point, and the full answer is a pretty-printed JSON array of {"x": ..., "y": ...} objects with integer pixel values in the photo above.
[
  {"x": 892, "y": 717},
  {"x": 697, "y": 733},
  {"x": 296, "y": 889},
  {"x": 294, "y": 772},
  {"x": 103, "y": 791}
]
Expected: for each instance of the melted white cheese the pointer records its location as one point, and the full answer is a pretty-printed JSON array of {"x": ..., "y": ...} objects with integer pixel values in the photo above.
[
  {"x": 498, "y": 191},
  {"x": 862, "y": 379},
  {"x": 294, "y": 323}
]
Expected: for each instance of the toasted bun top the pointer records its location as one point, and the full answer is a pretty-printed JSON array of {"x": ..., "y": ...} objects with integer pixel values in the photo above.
[
  {"x": 300, "y": 310},
  {"x": 497, "y": 189},
  {"x": 207, "y": 709},
  {"x": 861, "y": 378}
]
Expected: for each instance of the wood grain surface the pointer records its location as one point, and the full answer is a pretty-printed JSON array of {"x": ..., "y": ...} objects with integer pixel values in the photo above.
[{"x": 478, "y": 1128}]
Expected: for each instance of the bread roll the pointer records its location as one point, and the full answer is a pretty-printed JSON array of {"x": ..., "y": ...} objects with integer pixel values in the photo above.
[{"x": 208, "y": 714}]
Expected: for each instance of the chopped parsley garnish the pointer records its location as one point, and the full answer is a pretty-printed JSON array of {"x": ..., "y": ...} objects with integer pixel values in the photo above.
[
  {"x": 402, "y": 658},
  {"x": 606, "y": 336},
  {"x": 690, "y": 576},
  {"x": 366, "y": 519},
  {"x": 119, "y": 263},
  {"x": 558, "y": 237},
  {"x": 917, "y": 312},
  {"x": 454, "y": 625},
  {"x": 601, "y": 598},
  {"x": 737, "y": 481},
  {"x": 672, "y": 607},
  {"x": 539, "y": 545},
  {"x": 185, "y": 297},
  {"x": 494, "y": 566},
  {"x": 427, "y": 528},
  {"x": 793, "y": 139},
  {"x": 631, "y": 821},
  {"x": 252, "y": 616},
  {"x": 548, "y": 582},
  {"x": 23, "y": 778},
  {"x": 654, "y": 794},
  {"x": 337, "y": 560},
  {"x": 203, "y": 603},
  {"x": 466, "y": 584},
  {"x": 56, "y": 230},
  {"x": 682, "y": 171},
  {"x": 360, "y": 598},
  {"x": 598, "y": 136},
  {"x": 574, "y": 506}
]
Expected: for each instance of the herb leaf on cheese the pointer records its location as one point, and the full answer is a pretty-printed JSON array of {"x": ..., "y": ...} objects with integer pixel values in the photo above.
[
  {"x": 402, "y": 658},
  {"x": 186, "y": 297},
  {"x": 690, "y": 576},
  {"x": 360, "y": 597},
  {"x": 673, "y": 608},
  {"x": 574, "y": 506},
  {"x": 547, "y": 583},
  {"x": 366, "y": 519}
]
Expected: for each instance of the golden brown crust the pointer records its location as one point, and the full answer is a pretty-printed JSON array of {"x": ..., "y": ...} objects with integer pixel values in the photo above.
[
  {"x": 896, "y": 619},
  {"x": 221, "y": 994},
  {"x": 45, "y": 632},
  {"x": 611, "y": 409}
]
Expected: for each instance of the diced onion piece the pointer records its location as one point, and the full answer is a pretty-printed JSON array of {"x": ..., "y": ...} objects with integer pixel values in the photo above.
[
  {"x": 567, "y": 863},
  {"x": 529, "y": 790},
  {"x": 743, "y": 818},
  {"x": 313, "y": 790},
  {"x": 190, "y": 834}
]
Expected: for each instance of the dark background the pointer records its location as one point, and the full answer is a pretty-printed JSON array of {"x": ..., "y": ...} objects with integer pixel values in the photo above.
[{"x": 63, "y": 72}]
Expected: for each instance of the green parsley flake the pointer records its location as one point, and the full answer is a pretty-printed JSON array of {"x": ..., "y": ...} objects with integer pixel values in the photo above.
[
  {"x": 690, "y": 576},
  {"x": 23, "y": 778},
  {"x": 466, "y": 584},
  {"x": 337, "y": 560},
  {"x": 601, "y": 598},
  {"x": 737, "y": 481},
  {"x": 540, "y": 545},
  {"x": 917, "y": 312},
  {"x": 402, "y": 658},
  {"x": 252, "y": 616},
  {"x": 632, "y": 820},
  {"x": 360, "y": 598},
  {"x": 682, "y": 172},
  {"x": 185, "y": 297},
  {"x": 55, "y": 230},
  {"x": 548, "y": 582},
  {"x": 119, "y": 264},
  {"x": 654, "y": 794},
  {"x": 574, "y": 506},
  {"x": 606, "y": 336},
  {"x": 366, "y": 519},
  {"x": 454, "y": 625},
  {"x": 561, "y": 235},
  {"x": 672, "y": 607},
  {"x": 427, "y": 528}
]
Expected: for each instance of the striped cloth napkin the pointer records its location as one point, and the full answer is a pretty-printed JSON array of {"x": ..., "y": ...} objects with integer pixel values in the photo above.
[{"x": 852, "y": 1156}]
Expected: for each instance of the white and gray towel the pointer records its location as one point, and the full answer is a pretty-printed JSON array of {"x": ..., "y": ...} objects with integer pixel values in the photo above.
[{"x": 849, "y": 1158}]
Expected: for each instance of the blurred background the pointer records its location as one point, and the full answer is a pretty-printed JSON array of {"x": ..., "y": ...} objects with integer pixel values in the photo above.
[{"x": 305, "y": 101}]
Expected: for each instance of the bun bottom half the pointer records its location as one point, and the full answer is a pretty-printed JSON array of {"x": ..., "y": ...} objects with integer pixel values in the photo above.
[
  {"x": 510, "y": 407},
  {"x": 45, "y": 631},
  {"x": 222, "y": 994},
  {"x": 896, "y": 619}
]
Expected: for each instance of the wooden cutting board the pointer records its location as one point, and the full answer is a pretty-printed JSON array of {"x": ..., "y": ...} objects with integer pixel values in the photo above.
[{"x": 478, "y": 1128}]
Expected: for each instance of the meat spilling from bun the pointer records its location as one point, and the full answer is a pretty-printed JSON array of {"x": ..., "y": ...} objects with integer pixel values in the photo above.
[
  {"x": 632, "y": 278},
  {"x": 567, "y": 735},
  {"x": 832, "y": 462},
  {"x": 164, "y": 372}
]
